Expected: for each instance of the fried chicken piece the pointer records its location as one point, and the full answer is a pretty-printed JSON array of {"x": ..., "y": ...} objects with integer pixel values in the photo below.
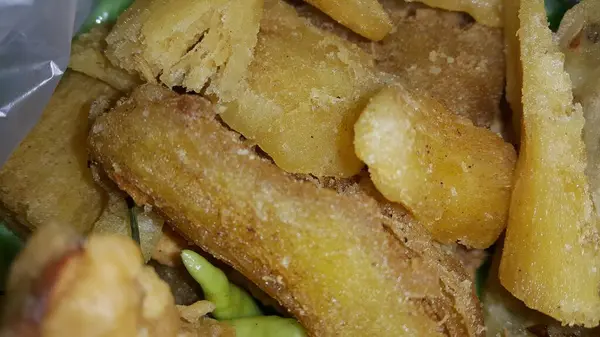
[
  {"x": 87, "y": 57},
  {"x": 47, "y": 179},
  {"x": 188, "y": 43},
  {"x": 65, "y": 285},
  {"x": 333, "y": 260}
]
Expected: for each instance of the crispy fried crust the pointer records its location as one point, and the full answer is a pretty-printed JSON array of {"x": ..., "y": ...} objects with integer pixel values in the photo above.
[
  {"x": 551, "y": 253},
  {"x": 47, "y": 179},
  {"x": 458, "y": 62},
  {"x": 87, "y": 56},
  {"x": 196, "y": 44},
  {"x": 328, "y": 258}
]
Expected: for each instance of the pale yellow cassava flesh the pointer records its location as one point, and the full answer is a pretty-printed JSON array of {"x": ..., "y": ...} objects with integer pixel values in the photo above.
[
  {"x": 454, "y": 177},
  {"x": 550, "y": 259}
]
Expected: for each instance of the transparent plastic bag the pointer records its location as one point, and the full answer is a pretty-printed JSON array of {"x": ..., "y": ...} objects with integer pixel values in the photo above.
[{"x": 35, "y": 41}]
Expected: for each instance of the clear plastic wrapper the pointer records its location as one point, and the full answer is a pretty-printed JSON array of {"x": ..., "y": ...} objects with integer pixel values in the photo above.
[{"x": 35, "y": 40}]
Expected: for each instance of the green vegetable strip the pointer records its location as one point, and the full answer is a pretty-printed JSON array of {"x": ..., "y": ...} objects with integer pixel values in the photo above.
[
  {"x": 10, "y": 245},
  {"x": 105, "y": 11},
  {"x": 266, "y": 326},
  {"x": 230, "y": 301}
]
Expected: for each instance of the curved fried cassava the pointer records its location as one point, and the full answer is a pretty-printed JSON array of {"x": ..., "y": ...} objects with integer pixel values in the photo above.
[
  {"x": 328, "y": 258},
  {"x": 453, "y": 176},
  {"x": 551, "y": 259}
]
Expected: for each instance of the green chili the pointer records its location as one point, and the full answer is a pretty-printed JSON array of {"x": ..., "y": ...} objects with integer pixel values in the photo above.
[
  {"x": 105, "y": 11},
  {"x": 266, "y": 326},
  {"x": 230, "y": 301}
]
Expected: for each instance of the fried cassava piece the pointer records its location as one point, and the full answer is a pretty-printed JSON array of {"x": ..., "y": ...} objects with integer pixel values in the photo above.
[
  {"x": 454, "y": 177},
  {"x": 457, "y": 61},
  {"x": 365, "y": 17},
  {"x": 47, "y": 179},
  {"x": 189, "y": 43},
  {"x": 487, "y": 12},
  {"x": 326, "y": 257},
  {"x": 87, "y": 57},
  {"x": 550, "y": 259},
  {"x": 305, "y": 90}
]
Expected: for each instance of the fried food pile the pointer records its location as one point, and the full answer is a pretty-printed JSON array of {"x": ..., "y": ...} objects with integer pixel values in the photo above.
[
  {"x": 347, "y": 161},
  {"x": 225, "y": 197}
]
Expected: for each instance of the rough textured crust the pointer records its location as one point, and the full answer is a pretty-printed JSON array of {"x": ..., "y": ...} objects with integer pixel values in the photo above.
[
  {"x": 197, "y": 44},
  {"x": 327, "y": 257},
  {"x": 551, "y": 259},
  {"x": 87, "y": 57},
  {"x": 47, "y": 179}
]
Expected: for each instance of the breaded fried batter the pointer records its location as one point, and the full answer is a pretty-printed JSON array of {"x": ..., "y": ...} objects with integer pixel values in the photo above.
[{"x": 333, "y": 260}]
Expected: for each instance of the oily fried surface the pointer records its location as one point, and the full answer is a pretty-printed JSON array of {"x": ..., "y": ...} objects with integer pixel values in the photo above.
[
  {"x": 87, "y": 57},
  {"x": 306, "y": 88},
  {"x": 326, "y": 257},
  {"x": 188, "y": 43},
  {"x": 47, "y": 179},
  {"x": 65, "y": 285},
  {"x": 550, "y": 258}
]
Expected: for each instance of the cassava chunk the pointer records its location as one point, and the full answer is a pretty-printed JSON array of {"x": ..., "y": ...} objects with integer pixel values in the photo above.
[
  {"x": 188, "y": 43},
  {"x": 454, "y": 177},
  {"x": 458, "y": 62},
  {"x": 365, "y": 17},
  {"x": 306, "y": 88},
  {"x": 326, "y": 257},
  {"x": 550, "y": 259},
  {"x": 47, "y": 179},
  {"x": 87, "y": 56}
]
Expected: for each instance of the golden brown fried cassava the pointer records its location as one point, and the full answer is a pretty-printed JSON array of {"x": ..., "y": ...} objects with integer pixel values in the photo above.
[
  {"x": 550, "y": 259},
  {"x": 306, "y": 88},
  {"x": 338, "y": 264},
  {"x": 64, "y": 285},
  {"x": 365, "y": 17},
  {"x": 87, "y": 56},
  {"x": 487, "y": 12},
  {"x": 454, "y": 177},
  {"x": 457, "y": 62},
  {"x": 47, "y": 179},
  {"x": 189, "y": 43}
]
